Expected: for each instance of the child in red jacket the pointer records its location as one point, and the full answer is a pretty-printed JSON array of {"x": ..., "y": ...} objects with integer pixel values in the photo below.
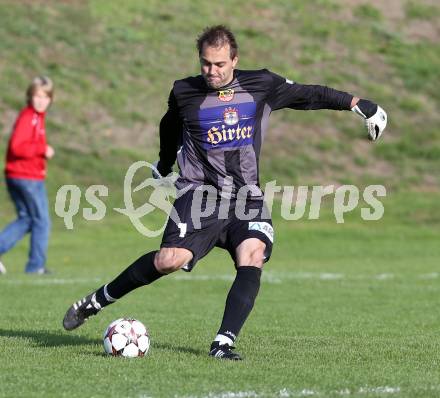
[{"x": 25, "y": 173}]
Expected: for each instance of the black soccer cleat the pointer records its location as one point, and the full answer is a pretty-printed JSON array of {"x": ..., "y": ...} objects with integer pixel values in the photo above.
[
  {"x": 223, "y": 351},
  {"x": 80, "y": 311}
]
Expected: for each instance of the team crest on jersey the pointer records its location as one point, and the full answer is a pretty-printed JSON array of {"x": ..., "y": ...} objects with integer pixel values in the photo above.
[
  {"x": 226, "y": 95},
  {"x": 230, "y": 116}
]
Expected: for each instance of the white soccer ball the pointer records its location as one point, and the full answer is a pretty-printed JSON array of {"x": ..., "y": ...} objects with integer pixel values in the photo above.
[{"x": 126, "y": 337}]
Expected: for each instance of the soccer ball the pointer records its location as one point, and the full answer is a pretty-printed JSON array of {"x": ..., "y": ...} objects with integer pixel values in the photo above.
[{"x": 126, "y": 337}]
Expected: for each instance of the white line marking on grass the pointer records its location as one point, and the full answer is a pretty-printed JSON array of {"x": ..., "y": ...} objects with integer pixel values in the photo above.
[
  {"x": 331, "y": 277},
  {"x": 47, "y": 281},
  {"x": 195, "y": 277},
  {"x": 379, "y": 390},
  {"x": 383, "y": 277},
  {"x": 285, "y": 393},
  {"x": 281, "y": 277},
  {"x": 325, "y": 276},
  {"x": 226, "y": 394},
  {"x": 432, "y": 275},
  {"x": 305, "y": 392},
  {"x": 267, "y": 277}
]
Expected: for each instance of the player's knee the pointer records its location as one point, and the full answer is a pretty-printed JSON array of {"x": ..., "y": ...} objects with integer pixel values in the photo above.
[
  {"x": 256, "y": 258},
  {"x": 168, "y": 260},
  {"x": 251, "y": 253}
]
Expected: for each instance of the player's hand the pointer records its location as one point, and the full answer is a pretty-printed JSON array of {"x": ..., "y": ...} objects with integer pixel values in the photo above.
[
  {"x": 50, "y": 152},
  {"x": 375, "y": 118},
  {"x": 155, "y": 172},
  {"x": 158, "y": 172}
]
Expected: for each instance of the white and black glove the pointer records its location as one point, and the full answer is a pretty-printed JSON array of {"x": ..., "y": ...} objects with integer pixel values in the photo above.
[
  {"x": 158, "y": 172},
  {"x": 375, "y": 118},
  {"x": 155, "y": 172}
]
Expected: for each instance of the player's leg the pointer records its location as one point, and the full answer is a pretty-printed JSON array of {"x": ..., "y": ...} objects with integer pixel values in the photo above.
[
  {"x": 244, "y": 290},
  {"x": 241, "y": 297},
  {"x": 175, "y": 253},
  {"x": 250, "y": 244},
  {"x": 19, "y": 227},
  {"x": 144, "y": 271},
  {"x": 40, "y": 228}
]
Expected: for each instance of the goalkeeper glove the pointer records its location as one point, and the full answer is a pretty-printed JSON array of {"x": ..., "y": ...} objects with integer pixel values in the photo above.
[
  {"x": 375, "y": 117},
  {"x": 158, "y": 172}
]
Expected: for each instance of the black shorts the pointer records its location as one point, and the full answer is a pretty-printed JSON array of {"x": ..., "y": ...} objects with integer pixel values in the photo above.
[{"x": 223, "y": 223}]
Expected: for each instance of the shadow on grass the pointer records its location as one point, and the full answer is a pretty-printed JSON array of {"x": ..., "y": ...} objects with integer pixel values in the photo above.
[
  {"x": 163, "y": 347},
  {"x": 185, "y": 350},
  {"x": 44, "y": 338},
  {"x": 172, "y": 348}
]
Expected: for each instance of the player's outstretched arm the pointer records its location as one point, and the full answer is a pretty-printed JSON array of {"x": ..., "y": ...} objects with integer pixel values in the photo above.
[
  {"x": 375, "y": 117},
  {"x": 285, "y": 93}
]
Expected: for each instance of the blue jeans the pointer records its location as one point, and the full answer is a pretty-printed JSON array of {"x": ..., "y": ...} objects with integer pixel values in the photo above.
[{"x": 31, "y": 204}]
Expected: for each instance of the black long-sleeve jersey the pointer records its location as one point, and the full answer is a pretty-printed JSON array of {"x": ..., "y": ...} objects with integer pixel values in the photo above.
[{"x": 216, "y": 134}]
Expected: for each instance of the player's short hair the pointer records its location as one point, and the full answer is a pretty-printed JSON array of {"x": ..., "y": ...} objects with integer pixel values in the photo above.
[
  {"x": 218, "y": 36},
  {"x": 40, "y": 82}
]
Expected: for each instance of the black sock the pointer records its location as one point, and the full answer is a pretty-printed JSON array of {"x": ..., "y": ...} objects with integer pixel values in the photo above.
[
  {"x": 141, "y": 272},
  {"x": 240, "y": 300}
]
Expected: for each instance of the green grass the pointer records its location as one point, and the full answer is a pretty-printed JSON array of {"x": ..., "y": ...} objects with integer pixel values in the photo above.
[
  {"x": 343, "y": 309},
  {"x": 114, "y": 66},
  {"x": 421, "y": 11}
]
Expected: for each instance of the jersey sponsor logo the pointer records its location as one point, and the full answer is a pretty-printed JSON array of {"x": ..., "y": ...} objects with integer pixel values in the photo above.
[
  {"x": 263, "y": 227},
  {"x": 230, "y": 116},
  {"x": 235, "y": 137},
  {"x": 225, "y": 127},
  {"x": 226, "y": 95}
]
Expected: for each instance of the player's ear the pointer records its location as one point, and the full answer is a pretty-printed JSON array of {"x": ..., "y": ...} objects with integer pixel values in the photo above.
[{"x": 234, "y": 61}]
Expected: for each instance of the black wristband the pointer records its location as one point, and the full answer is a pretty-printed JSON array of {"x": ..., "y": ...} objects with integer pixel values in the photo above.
[{"x": 368, "y": 108}]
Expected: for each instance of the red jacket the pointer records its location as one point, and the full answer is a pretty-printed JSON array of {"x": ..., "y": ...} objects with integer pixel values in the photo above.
[{"x": 27, "y": 147}]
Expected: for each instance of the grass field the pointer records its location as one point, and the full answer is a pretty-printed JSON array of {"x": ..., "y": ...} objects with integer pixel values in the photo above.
[
  {"x": 344, "y": 310},
  {"x": 114, "y": 63}
]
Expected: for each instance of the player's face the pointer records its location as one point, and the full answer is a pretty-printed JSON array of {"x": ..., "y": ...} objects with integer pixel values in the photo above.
[
  {"x": 40, "y": 100},
  {"x": 217, "y": 67}
]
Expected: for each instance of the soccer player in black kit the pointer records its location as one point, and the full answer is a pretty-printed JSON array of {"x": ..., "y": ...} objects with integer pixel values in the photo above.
[{"x": 214, "y": 126}]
